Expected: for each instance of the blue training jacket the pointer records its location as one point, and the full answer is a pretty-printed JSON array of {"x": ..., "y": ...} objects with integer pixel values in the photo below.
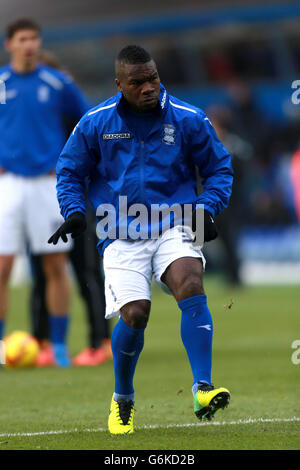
[
  {"x": 107, "y": 153},
  {"x": 32, "y": 125}
]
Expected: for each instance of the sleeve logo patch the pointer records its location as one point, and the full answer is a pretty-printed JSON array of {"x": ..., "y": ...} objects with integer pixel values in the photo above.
[{"x": 122, "y": 135}]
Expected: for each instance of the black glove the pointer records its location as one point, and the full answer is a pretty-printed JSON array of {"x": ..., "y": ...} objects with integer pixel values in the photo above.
[
  {"x": 210, "y": 229},
  {"x": 75, "y": 225}
]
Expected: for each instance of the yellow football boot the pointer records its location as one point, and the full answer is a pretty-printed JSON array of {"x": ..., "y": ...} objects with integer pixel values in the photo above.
[
  {"x": 207, "y": 400},
  {"x": 120, "y": 419}
]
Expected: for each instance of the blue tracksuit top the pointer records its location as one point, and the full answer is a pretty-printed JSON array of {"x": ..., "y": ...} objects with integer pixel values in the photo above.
[
  {"x": 32, "y": 129},
  {"x": 105, "y": 152}
]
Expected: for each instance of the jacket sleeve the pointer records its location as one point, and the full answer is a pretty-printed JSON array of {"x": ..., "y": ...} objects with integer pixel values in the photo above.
[
  {"x": 214, "y": 164},
  {"x": 75, "y": 164}
]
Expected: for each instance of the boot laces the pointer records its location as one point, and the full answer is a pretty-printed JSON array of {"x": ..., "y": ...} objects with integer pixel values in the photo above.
[{"x": 125, "y": 408}]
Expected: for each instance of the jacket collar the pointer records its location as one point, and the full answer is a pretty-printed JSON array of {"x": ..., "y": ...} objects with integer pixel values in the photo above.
[{"x": 163, "y": 100}]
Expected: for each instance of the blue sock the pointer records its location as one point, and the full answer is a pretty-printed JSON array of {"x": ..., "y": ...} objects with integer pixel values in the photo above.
[
  {"x": 1, "y": 329},
  {"x": 126, "y": 344},
  {"x": 58, "y": 328},
  {"x": 197, "y": 335}
]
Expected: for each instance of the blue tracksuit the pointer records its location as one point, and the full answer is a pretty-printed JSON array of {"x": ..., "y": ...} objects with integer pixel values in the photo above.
[
  {"x": 31, "y": 122},
  {"x": 109, "y": 150}
]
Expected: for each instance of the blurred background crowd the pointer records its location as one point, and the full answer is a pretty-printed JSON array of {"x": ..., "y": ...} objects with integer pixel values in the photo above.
[{"x": 237, "y": 60}]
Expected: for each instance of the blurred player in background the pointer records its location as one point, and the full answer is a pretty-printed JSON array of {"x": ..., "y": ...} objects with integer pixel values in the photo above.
[
  {"x": 88, "y": 271},
  {"x": 89, "y": 274},
  {"x": 32, "y": 135},
  {"x": 156, "y": 141}
]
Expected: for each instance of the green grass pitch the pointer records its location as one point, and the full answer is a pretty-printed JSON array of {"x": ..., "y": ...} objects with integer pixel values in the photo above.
[{"x": 254, "y": 329}]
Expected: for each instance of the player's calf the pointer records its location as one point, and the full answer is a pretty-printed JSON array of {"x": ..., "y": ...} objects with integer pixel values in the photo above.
[{"x": 6, "y": 263}]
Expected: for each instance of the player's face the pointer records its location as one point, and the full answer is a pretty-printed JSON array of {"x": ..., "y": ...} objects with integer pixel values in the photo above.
[
  {"x": 140, "y": 85},
  {"x": 24, "y": 46}
]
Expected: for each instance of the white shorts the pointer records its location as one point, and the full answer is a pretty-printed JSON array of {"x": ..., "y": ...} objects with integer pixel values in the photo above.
[
  {"x": 130, "y": 265},
  {"x": 29, "y": 215}
]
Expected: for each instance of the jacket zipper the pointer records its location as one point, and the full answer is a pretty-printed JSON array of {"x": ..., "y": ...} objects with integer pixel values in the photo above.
[{"x": 142, "y": 172}]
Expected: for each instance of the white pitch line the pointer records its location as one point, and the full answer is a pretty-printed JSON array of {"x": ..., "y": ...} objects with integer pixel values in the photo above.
[{"x": 158, "y": 426}]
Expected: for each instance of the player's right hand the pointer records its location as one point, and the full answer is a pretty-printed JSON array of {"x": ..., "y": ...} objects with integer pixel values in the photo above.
[
  {"x": 210, "y": 228},
  {"x": 75, "y": 225}
]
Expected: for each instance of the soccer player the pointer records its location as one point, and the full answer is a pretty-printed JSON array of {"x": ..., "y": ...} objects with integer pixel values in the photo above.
[
  {"x": 32, "y": 135},
  {"x": 145, "y": 145}
]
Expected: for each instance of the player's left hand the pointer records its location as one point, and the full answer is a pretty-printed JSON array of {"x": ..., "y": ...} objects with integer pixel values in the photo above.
[
  {"x": 210, "y": 229},
  {"x": 75, "y": 225}
]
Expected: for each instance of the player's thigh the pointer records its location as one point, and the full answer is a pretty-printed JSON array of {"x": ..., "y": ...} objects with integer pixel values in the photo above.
[
  {"x": 128, "y": 273},
  {"x": 11, "y": 214},
  {"x": 42, "y": 216},
  {"x": 178, "y": 263}
]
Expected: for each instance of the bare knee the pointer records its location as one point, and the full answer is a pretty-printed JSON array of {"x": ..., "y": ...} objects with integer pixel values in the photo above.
[
  {"x": 192, "y": 285},
  {"x": 54, "y": 265},
  {"x": 136, "y": 314},
  {"x": 6, "y": 263},
  {"x": 184, "y": 278}
]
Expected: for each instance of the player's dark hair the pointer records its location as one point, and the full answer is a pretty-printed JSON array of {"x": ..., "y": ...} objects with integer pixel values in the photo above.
[
  {"x": 20, "y": 24},
  {"x": 133, "y": 55}
]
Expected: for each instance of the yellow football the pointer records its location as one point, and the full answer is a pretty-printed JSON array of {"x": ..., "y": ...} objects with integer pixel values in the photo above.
[{"x": 20, "y": 350}]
